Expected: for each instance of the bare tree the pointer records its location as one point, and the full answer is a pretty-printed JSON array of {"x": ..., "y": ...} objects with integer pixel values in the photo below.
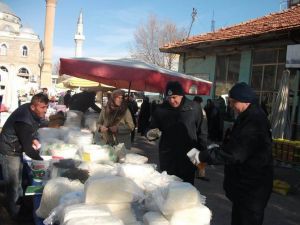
[
  {"x": 152, "y": 35},
  {"x": 55, "y": 67}
]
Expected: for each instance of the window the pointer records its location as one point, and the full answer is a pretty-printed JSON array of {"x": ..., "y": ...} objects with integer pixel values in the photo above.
[
  {"x": 24, "y": 51},
  {"x": 267, "y": 69},
  {"x": 23, "y": 72},
  {"x": 227, "y": 73},
  {"x": 3, "y": 49},
  {"x": 3, "y": 68}
]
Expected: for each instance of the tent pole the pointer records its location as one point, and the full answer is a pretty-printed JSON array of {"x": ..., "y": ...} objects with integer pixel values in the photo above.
[{"x": 129, "y": 89}]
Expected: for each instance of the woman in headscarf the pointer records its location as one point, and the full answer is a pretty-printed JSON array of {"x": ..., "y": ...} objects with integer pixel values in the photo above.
[{"x": 116, "y": 121}]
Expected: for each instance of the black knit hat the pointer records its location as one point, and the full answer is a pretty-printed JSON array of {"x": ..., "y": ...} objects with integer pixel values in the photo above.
[
  {"x": 174, "y": 88},
  {"x": 242, "y": 92}
]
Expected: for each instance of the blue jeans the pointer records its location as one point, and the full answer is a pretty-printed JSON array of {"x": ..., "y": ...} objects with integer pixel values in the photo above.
[{"x": 12, "y": 167}]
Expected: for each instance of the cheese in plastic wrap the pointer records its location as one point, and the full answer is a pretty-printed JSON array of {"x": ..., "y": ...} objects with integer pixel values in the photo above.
[
  {"x": 78, "y": 211},
  {"x": 199, "y": 215},
  {"x": 126, "y": 215},
  {"x": 112, "y": 189},
  {"x": 135, "y": 171},
  {"x": 133, "y": 158},
  {"x": 155, "y": 218},
  {"x": 177, "y": 196},
  {"x": 98, "y": 169},
  {"x": 97, "y": 220},
  {"x": 53, "y": 191},
  {"x": 97, "y": 153}
]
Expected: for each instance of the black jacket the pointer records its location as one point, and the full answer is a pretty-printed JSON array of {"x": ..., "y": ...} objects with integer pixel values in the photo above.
[
  {"x": 181, "y": 130},
  {"x": 82, "y": 101},
  {"x": 18, "y": 132},
  {"x": 247, "y": 154}
]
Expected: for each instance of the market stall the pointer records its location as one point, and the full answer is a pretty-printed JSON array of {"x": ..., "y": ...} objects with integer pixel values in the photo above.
[
  {"x": 131, "y": 74},
  {"x": 87, "y": 183}
]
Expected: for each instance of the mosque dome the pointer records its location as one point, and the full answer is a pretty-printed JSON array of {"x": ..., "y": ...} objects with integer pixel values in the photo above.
[
  {"x": 5, "y": 9},
  {"x": 27, "y": 30}
]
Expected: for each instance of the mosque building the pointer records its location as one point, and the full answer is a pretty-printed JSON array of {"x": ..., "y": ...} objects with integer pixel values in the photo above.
[{"x": 20, "y": 57}]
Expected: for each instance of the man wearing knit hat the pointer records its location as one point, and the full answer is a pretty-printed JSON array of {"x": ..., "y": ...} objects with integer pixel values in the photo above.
[
  {"x": 179, "y": 120},
  {"x": 247, "y": 155}
]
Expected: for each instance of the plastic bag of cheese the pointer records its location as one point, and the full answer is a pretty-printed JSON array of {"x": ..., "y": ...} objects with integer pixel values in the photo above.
[
  {"x": 111, "y": 189},
  {"x": 78, "y": 211},
  {"x": 134, "y": 159},
  {"x": 198, "y": 215},
  {"x": 177, "y": 196},
  {"x": 135, "y": 171},
  {"x": 53, "y": 191},
  {"x": 98, "y": 169},
  {"x": 155, "y": 218},
  {"x": 96, "y": 220}
]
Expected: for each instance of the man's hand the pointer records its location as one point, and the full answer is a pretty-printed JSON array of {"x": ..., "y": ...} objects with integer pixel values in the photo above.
[
  {"x": 193, "y": 155},
  {"x": 36, "y": 145},
  {"x": 153, "y": 134}
]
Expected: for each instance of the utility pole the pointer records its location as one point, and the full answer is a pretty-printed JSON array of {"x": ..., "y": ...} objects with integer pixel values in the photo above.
[{"x": 194, "y": 14}]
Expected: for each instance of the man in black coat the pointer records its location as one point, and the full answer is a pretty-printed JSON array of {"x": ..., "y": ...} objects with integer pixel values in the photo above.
[
  {"x": 83, "y": 101},
  {"x": 179, "y": 120},
  {"x": 67, "y": 98},
  {"x": 18, "y": 135},
  {"x": 247, "y": 155}
]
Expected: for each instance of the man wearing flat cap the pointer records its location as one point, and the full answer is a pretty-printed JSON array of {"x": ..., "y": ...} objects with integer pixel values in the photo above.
[
  {"x": 179, "y": 120},
  {"x": 246, "y": 153}
]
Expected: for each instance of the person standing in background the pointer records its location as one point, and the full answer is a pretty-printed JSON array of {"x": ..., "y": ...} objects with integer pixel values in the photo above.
[
  {"x": 83, "y": 101},
  {"x": 133, "y": 108},
  {"x": 204, "y": 133},
  {"x": 115, "y": 121},
  {"x": 144, "y": 116},
  {"x": 67, "y": 98}
]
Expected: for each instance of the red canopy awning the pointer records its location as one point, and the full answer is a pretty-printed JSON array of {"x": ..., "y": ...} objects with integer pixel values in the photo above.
[{"x": 133, "y": 74}]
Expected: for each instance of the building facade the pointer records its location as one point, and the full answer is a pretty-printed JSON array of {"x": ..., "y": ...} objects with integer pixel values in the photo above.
[
  {"x": 253, "y": 51},
  {"x": 20, "y": 56}
]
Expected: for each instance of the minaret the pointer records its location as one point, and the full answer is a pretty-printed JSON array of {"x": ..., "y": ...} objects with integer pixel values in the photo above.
[
  {"x": 46, "y": 73},
  {"x": 79, "y": 37}
]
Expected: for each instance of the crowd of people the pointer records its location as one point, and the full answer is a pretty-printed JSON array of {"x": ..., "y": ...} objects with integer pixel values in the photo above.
[{"x": 190, "y": 137}]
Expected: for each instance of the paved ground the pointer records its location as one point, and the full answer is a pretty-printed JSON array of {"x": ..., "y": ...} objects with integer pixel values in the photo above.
[{"x": 281, "y": 210}]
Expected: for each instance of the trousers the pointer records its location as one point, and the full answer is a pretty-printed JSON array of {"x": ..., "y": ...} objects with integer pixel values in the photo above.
[
  {"x": 241, "y": 215},
  {"x": 12, "y": 167}
]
